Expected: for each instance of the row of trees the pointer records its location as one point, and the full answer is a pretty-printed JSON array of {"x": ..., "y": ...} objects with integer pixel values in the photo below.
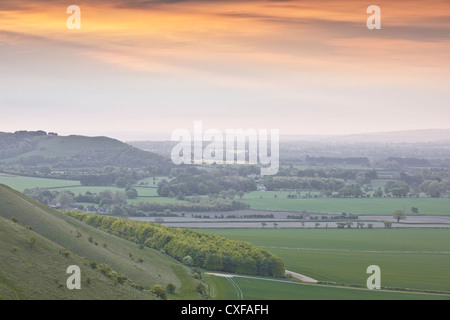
[
  {"x": 434, "y": 188},
  {"x": 204, "y": 205},
  {"x": 118, "y": 177},
  {"x": 115, "y": 203},
  {"x": 318, "y": 184},
  {"x": 195, "y": 248},
  {"x": 345, "y": 182},
  {"x": 67, "y": 198},
  {"x": 337, "y": 173},
  {"x": 193, "y": 181},
  {"x": 398, "y": 189},
  {"x": 14, "y": 144},
  {"x": 434, "y": 183},
  {"x": 361, "y": 161}
]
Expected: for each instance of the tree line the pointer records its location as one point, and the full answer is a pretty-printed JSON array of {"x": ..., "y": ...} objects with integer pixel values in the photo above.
[
  {"x": 297, "y": 183},
  {"x": 362, "y": 161},
  {"x": 434, "y": 184},
  {"x": 191, "y": 247},
  {"x": 193, "y": 181},
  {"x": 115, "y": 203}
]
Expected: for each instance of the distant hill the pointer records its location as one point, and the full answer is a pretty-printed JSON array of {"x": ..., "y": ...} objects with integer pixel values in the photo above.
[
  {"x": 163, "y": 148},
  {"x": 36, "y": 269},
  {"x": 426, "y": 135},
  {"x": 33, "y": 148},
  {"x": 407, "y": 136}
]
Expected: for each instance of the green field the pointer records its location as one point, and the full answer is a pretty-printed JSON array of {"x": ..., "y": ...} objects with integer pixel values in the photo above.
[
  {"x": 379, "y": 206},
  {"x": 257, "y": 200},
  {"x": 146, "y": 193},
  {"x": 238, "y": 288},
  {"x": 20, "y": 183},
  {"x": 415, "y": 259}
]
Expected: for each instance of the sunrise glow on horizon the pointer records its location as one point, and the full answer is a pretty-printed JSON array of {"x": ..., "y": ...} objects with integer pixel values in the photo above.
[{"x": 139, "y": 68}]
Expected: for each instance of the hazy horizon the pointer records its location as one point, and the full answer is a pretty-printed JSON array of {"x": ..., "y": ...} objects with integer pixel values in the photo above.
[{"x": 431, "y": 134}]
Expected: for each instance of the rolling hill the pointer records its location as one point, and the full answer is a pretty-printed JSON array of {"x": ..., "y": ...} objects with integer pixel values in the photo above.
[
  {"x": 37, "y": 244},
  {"x": 37, "y": 148},
  {"x": 400, "y": 136}
]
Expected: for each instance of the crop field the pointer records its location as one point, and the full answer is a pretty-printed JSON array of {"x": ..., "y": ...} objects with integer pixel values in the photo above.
[
  {"x": 413, "y": 259},
  {"x": 278, "y": 201},
  {"x": 250, "y": 288},
  {"x": 20, "y": 183}
]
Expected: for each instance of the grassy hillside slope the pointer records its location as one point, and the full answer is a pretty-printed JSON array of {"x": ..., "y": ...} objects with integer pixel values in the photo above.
[
  {"x": 36, "y": 271},
  {"x": 74, "y": 151}
]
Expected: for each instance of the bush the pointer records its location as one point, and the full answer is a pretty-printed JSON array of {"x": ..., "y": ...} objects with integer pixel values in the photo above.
[
  {"x": 200, "y": 288},
  {"x": 159, "y": 291},
  {"x": 170, "y": 288},
  {"x": 65, "y": 252},
  {"x": 120, "y": 278},
  {"x": 187, "y": 260},
  {"x": 14, "y": 219},
  {"x": 32, "y": 241},
  {"x": 137, "y": 286},
  {"x": 105, "y": 269}
]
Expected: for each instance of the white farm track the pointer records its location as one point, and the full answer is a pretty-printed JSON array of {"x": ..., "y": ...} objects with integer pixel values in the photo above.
[
  {"x": 240, "y": 294},
  {"x": 305, "y": 281}
]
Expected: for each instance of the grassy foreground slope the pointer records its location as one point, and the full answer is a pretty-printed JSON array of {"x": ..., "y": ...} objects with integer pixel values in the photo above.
[{"x": 37, "y": 269}]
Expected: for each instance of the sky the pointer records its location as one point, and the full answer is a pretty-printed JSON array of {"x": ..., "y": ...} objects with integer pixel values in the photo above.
[{"x": 140, "y": 69}]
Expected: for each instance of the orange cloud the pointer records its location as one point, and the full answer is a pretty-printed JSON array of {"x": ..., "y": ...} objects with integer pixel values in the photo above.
[{"x": 251, "y": 41}]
